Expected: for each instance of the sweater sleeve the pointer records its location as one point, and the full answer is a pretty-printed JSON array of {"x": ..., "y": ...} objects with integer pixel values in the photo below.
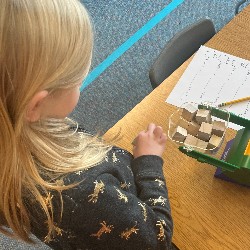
[
  {"x": 109, "y": 216},
  {"x": 152, "y": 190}
]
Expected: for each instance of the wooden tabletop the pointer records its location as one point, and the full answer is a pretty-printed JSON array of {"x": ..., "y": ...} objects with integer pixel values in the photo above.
[{"x": 208, "y": 213}]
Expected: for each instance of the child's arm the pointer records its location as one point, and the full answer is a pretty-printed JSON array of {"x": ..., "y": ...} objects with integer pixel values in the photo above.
[
  {"x": 152, "y": 190},
  {"x": 112, "y": 216},
  {"x": 147, "y": 167},
  {"x": 121, "y": 219}
]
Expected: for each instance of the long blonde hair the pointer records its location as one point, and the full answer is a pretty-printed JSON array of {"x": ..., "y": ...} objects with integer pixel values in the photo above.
[{"x": 44, "y": 44}]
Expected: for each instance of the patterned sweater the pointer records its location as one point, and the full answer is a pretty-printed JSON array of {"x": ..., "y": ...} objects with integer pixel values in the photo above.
[{"x": 122, "y": 203}]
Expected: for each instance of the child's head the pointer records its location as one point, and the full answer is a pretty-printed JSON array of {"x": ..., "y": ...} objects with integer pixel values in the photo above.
[
  {"x": 45, "y": 53},
  {"x": 44, "y": 45}
]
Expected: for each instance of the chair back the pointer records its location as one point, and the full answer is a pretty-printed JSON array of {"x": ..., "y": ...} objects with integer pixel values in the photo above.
[{"x": 182, "y": 46}]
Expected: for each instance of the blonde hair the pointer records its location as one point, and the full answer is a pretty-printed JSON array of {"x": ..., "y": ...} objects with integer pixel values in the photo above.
[{"x": 44, "y": 44}]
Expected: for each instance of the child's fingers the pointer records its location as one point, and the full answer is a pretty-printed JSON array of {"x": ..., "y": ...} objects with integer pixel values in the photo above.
[
  {"x": 151, "y": 127},
  {"x": 158, "y": 131},
  {"x": 140, "y": 135},
  {"x": 163, "y": 138}
]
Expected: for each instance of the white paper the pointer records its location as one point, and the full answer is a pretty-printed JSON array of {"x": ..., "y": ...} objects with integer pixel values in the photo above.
[{"x": 215, "y": 77}]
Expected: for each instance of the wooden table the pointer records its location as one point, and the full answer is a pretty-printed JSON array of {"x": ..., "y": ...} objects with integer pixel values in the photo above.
[{"x": 208, "y": 213}]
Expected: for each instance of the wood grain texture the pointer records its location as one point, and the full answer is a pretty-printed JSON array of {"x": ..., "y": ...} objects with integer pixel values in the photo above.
[{"x": 208, "y": 213}]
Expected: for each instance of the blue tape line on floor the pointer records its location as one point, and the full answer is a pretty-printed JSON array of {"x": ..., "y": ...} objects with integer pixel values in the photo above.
[{"x": 130, "y": 42}]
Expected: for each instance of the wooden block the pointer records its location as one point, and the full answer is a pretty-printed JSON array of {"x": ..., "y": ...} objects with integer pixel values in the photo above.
[
  {"x": 195, "y": 142},
  {"x": 201, "y": 145},
  {"x": 193, "y": 128},
  {"x": 189, "y": 112},
  {"x": 205, "y": 131},
  {"x": 219, "y": 128},
  {"x": 179, "y": 134},
  {"x": 190, "y": 141},
  {"x": 183, "y": 123},
  {"x": 203, "y": 115},
  {"x": 214, "y": 142}
]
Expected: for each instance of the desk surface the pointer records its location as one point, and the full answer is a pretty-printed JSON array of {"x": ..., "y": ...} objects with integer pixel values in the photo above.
[{"x": 208, "y": 213}]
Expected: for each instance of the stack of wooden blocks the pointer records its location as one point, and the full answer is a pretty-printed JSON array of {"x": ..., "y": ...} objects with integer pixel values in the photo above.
[{"x": 196, "y": 128}]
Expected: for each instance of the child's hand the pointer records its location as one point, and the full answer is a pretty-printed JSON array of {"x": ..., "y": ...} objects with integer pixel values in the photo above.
[{"x": 150, "y": 142}]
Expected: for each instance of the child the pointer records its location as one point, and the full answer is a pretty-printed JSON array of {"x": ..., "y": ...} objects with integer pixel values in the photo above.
[{"x": 67, "y": 187}]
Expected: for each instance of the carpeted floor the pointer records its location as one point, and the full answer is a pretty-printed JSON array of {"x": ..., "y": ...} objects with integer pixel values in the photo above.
[{"x": 125, "y": 83}]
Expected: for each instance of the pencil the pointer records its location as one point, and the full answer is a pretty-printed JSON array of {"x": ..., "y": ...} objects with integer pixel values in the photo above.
[{"x": 234, "y": 101}]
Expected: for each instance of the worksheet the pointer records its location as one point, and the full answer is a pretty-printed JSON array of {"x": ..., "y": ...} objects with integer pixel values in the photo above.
[{"x": 214, "y": 77}]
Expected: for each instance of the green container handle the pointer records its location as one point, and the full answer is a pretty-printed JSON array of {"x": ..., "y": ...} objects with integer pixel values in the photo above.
[{"x": 208, "y": 159}]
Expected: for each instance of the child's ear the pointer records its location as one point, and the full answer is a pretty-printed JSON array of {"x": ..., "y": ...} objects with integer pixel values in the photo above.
[{"x": 34, "y": 108}]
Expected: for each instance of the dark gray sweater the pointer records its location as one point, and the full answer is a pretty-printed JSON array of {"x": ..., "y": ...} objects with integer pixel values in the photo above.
[{"x": 120, "y": 204}]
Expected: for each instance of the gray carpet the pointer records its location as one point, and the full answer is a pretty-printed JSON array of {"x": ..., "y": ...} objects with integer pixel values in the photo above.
[{"x": 126, "y": 82}]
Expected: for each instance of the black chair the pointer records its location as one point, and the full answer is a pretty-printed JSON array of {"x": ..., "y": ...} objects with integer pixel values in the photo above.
[
  {"x": 179, "y": 49},
  {"x": 237, "y": 7}
]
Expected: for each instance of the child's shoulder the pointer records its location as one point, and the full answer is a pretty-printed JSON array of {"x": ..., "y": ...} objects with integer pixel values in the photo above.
[
  {"x": 115, "y": 168},
  {"x": 119, "y": 155}
]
